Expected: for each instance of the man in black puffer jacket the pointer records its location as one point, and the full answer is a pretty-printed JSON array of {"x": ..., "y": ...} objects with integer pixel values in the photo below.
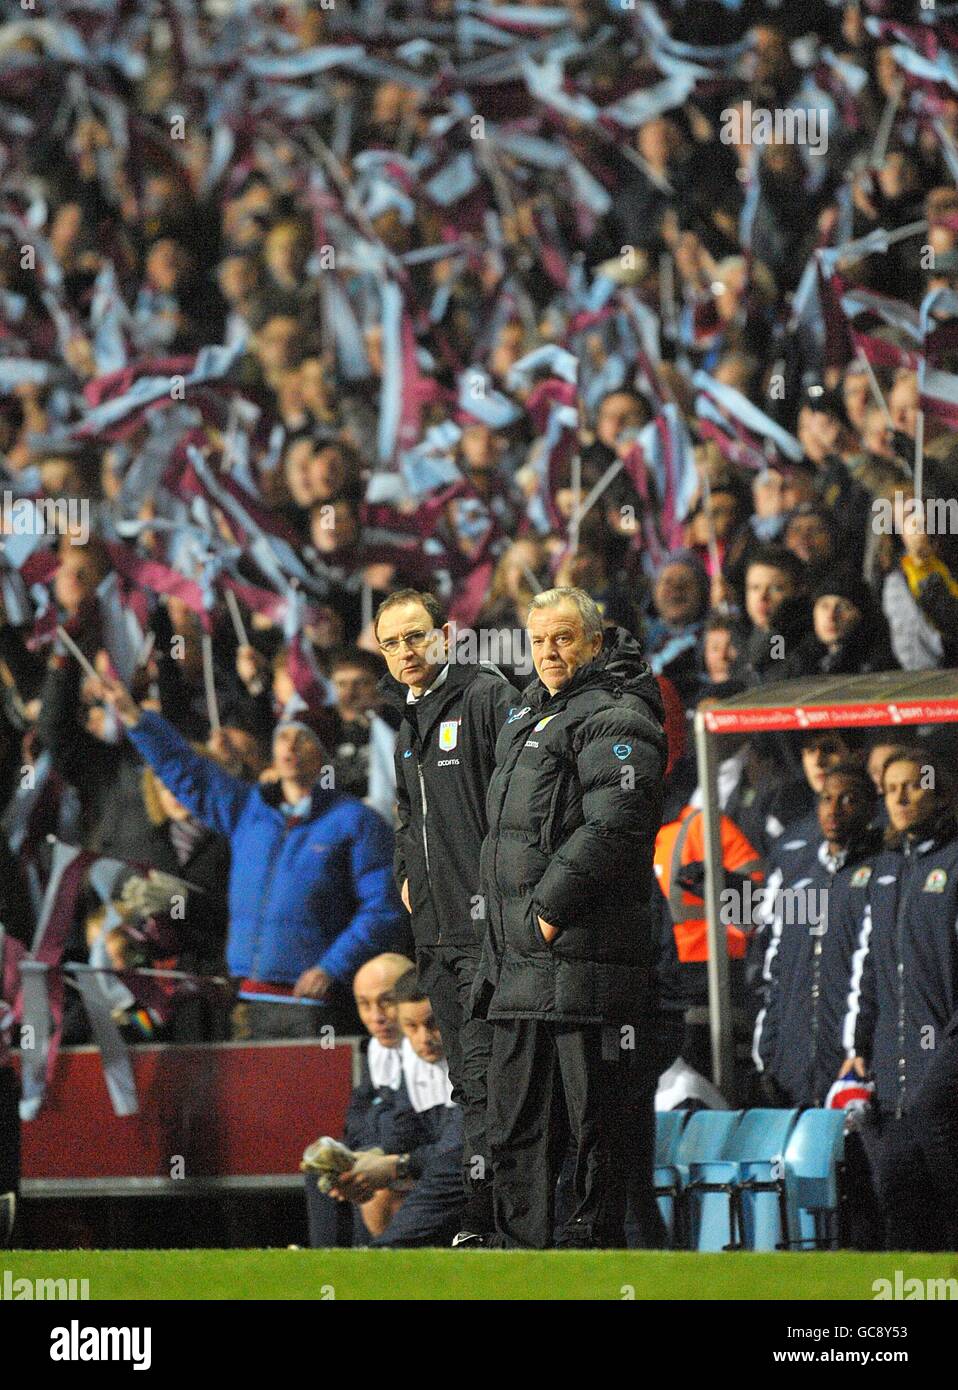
[{"x": 566, "y": 973}]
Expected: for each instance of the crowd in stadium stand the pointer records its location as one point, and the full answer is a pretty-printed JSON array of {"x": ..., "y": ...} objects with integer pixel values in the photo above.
[{"x": 303, "y": 305}]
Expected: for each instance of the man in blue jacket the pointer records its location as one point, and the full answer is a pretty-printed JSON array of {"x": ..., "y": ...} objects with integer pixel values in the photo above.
[{"x": 311, "y": 895}]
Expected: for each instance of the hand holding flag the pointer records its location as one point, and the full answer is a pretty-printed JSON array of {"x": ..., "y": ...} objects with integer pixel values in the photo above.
[{"x": 117, "y": 696}]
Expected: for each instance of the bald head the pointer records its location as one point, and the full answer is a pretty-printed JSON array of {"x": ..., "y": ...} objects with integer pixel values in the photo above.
[{"x": 373, "y": 988}]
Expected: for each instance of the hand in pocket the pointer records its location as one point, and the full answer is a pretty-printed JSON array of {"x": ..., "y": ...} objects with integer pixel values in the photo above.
[{"x": 549, "y": 932}]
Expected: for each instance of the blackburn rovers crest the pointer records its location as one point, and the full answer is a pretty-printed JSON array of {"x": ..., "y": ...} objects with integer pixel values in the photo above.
[{"x": 935, "y": 882}]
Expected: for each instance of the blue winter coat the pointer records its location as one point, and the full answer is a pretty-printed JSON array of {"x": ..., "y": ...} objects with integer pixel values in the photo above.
[{"x": 318, "y": 893}]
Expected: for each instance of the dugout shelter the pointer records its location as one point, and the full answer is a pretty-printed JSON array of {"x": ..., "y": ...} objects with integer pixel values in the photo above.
[{"x": 887, "y": 700}]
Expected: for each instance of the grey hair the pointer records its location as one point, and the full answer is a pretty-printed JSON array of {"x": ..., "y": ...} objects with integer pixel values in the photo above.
[{"x": 586, "y": 606}]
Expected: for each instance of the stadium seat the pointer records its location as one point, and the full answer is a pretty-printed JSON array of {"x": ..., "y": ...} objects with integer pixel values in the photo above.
[
  {"x": 737, "y": 1200},
  {"x": 813, "y": 1163},
  {"x": 704, "y": 1137},
  {"x": 668, "y": 1131}
]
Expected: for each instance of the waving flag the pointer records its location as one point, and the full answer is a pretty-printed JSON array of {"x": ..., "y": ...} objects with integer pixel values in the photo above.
[
  {"x": 12, "y": 953},
  {"x": 132, "y": 390},
  {"x": 42, "y": 1012},
  {"x": 741, "y": 411}
]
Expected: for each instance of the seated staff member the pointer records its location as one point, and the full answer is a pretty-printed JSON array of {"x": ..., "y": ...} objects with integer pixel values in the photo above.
[
  {"x": 432, "y": 1211},
  {"x": 380, "y": 1113}
]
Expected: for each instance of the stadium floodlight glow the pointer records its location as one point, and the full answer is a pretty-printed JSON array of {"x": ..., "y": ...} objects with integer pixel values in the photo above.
[{"x": 889, "y": 699}]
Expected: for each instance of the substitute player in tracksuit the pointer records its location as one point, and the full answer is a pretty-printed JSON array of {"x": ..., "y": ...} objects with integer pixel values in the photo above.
[
  {"x": 809, "y": 955},
  {"x": 445, "y": 753},
  {"x": 908, "y": 993}
]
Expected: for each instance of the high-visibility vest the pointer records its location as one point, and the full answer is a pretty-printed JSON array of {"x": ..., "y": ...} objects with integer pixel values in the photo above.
[{"x": 682, "y": 842}]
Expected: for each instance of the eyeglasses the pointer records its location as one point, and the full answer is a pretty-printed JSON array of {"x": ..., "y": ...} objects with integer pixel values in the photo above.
[{"x": 415, "y": 641}]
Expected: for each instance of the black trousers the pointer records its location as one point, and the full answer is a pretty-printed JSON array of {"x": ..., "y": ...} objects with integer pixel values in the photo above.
[
  {"x": 446, "y": 973},
  {"x": 554, "y": 1086},
  {"x": 918, "y": 1168},
  {"x": 332, "y": 1224},
  {"x": 432, "y": 1213}
]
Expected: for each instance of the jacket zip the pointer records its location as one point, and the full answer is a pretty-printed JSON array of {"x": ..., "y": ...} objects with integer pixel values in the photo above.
[
  {"x": 900, "y": 967},
  {"x": 415, "y": 747},
  {"x": 816, "y": 1009},
  {"x": 507, "y": 771},
  {"x": 425, "y": 846}
]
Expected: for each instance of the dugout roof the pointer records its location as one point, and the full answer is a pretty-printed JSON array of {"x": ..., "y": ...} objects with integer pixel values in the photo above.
[{"x": 838, "y": 702}]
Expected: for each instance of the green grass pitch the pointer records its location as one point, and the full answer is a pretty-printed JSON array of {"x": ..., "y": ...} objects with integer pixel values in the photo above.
[{"x": 476, "y": 1274}]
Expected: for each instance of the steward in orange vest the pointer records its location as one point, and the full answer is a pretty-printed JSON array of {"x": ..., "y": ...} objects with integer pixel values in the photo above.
[{"x": 680, "y": 866}]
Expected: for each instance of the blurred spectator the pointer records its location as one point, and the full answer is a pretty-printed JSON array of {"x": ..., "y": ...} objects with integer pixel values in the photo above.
[
  {"x": 849, "y": 633},
  {"x": 680, "y": 601},
  {"x": 776, "y": 608},
  {"x": 364, "y": 739},
  {"x": 920, "y": 598},
  {"x": 310, "y": 895}
]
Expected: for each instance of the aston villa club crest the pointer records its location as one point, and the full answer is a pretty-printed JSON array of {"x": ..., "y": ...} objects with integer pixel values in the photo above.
[
  {"x": 861, "y": 876},
  {"x": 542, "y": 723},
  {"x": 448, "y": 734}
]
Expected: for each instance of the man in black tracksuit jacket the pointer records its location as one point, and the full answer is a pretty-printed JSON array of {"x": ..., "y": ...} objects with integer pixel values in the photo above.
[
  {"x": 809, "y": 955},
  {"x": 566, "y": 977},
  {"x": 909, "y": 985},
  {"x": 445, "y": 754}
]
